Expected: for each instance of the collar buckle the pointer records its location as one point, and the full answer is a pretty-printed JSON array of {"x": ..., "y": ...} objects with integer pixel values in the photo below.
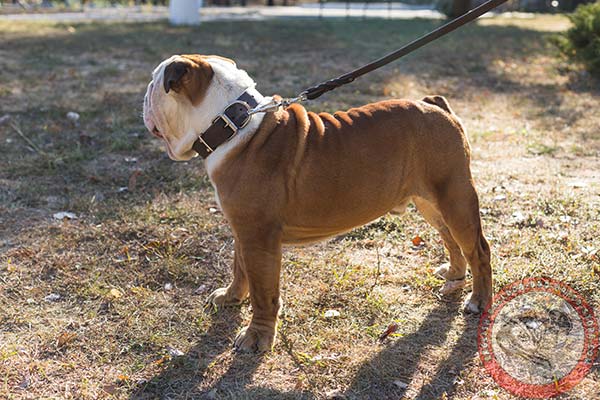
[
  {"x": 231, "y": 124},
  {"x": 225, "y": 125}
]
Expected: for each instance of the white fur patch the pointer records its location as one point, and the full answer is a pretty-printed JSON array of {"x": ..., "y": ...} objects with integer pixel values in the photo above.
[
  {"x": 471, "y": 306},
  {"x": 452, "y": 286},
  {"x": 180, "y": 124},
  {"x": 228, "y": 84}
]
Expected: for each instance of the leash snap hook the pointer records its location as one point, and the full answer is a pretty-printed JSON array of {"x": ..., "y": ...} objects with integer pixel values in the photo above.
[
  {"x": 273, "y": 105},
  {"x": 270, "y": 106}
]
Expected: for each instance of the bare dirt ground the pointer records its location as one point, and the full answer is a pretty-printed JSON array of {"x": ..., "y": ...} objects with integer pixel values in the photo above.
[{"x": 111, "y": 304}]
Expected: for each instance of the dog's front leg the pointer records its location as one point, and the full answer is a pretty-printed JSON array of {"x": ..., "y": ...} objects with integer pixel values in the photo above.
[{"x": 261, "y": 257}]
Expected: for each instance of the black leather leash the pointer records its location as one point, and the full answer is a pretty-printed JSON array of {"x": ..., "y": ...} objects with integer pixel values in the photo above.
[
  {"x": 238, "y": 113},
  {"x": 324, "y": 87}
]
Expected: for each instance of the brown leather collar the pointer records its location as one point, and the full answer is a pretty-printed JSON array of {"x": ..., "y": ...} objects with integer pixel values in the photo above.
[{"x": 225, "y": 125}]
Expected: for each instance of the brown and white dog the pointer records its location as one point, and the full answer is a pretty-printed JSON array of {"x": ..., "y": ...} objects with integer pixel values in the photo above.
[{"x": 293, "y": 176}]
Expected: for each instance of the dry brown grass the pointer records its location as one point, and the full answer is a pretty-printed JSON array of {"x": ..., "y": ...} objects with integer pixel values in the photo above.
[{"x": 533, "y": 124}]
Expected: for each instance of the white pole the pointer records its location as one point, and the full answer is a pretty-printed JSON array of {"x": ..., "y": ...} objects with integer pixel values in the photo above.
[{"x": 184, "y": 12}]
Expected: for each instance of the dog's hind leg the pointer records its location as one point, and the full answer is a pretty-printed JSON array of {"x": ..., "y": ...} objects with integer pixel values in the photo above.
[
  {"x": 401, "y": 207},
  {"x": 458, "y": 203},
  {"x": 455, "y": 271}
]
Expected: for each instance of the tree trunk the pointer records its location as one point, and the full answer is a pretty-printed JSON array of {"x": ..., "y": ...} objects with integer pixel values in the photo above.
[
  {"x": 184, "y": 12},
  {"x": 459, "y": 7}
]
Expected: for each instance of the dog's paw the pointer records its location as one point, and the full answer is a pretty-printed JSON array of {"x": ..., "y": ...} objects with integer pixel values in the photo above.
[
  {"x": 453, "y": 286},
  {"x": 252, "y": 340},
  {"x": 442, "y": 270},
  {"x": 445, "y": 271},
  {"x": 452, "y": 283},
  {"x": 475, "y": 304},
  {"x": 221, "y": 297}
]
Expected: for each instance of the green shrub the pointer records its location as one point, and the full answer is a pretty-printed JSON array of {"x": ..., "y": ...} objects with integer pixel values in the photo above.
[{"x": 581, "y": 43}]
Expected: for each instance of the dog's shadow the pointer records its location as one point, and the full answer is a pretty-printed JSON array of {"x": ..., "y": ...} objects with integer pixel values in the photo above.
[
  {"x": 187, "y": 376},
  {"x": 393, "y": 373},
  {"x": 396, "y": 371},
  {"x": 185, "y": 373}
]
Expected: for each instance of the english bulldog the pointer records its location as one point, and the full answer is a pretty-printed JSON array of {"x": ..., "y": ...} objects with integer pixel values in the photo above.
[{"x": 289, "y": 176}]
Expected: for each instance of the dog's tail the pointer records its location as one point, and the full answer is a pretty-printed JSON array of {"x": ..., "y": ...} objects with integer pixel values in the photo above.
[{"x": 439, "y": 101}]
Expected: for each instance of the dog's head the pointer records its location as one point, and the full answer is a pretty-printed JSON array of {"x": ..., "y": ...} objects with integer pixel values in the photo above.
[{"x": 185, "y": 94}]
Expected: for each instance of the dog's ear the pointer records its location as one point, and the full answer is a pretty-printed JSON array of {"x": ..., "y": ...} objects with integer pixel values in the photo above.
[
  {"x": 190, "y": 77},
  {"x": 173, "y": 75}
]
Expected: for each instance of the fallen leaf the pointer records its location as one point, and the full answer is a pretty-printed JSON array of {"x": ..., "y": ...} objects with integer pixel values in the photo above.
[
  {"x": 161, "y": 360},
  {"x": 126, "y": 256},
  {"x": 417, "y": 241},
  {"x": 173, "y": 352},
  {"x": 110, "y": 389},
  {"x": 133, "y": 180},
  {"x": 65, "y": 338},
  {"x": 138, "y": 290},
  {"x": 52, "y": 297},
  {"x": 393, "y": 327},
  {"x": 63, "y": 215},
  {"x": 115, "y": 293}
]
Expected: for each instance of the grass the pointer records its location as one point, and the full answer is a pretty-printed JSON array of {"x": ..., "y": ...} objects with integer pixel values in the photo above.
[{"x": 133, "y": 270}]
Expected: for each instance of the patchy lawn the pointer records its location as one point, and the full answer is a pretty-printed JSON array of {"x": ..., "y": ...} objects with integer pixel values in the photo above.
[{"x": 111, "y": 305}]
